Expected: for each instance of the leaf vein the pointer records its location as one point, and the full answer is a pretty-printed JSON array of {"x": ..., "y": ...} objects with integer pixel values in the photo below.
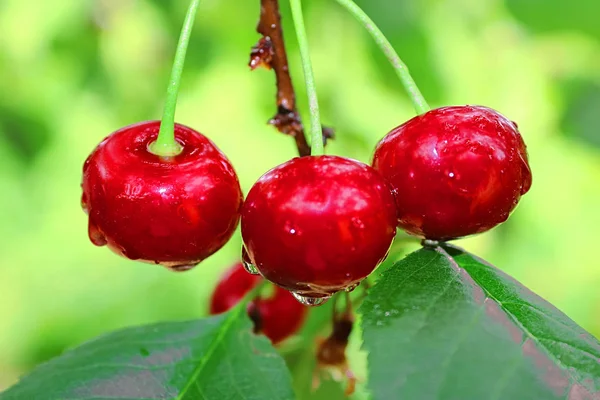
[{"x": 229, "y": 321}]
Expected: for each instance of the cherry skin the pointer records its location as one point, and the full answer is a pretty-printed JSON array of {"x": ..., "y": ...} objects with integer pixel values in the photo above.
[
  {"x": 319, "y": 224},
  {"x": 278, "y": 316},
  {"x": 455, "y": 171},
  {"x": 173, "y": 211}
]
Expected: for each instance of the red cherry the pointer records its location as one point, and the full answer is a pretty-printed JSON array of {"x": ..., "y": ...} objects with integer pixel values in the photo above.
[
  {"x": 455, "y": 171},
  {"x": 174, "y": 211},
  {"x": 278, "y": 316},
  {"x": 317, "y": 225}
]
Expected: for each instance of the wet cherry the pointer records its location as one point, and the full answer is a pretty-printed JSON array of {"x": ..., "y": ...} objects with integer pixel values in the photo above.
[
  {"x": 173, "y": 211},
  {"x": 278, "y": 316},
  {"x": 316, "y": 225},
  {"x": 455, "y": 171}
]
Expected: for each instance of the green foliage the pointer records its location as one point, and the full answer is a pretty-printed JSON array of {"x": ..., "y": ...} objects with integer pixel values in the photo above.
[
  {"x": 441, "y": 323},
  {"x": 79, "y": 70},
  {"x": 556, "y": 15},
  {"x": 445, "y": 324},
  {"x": 213, "y": 358}
]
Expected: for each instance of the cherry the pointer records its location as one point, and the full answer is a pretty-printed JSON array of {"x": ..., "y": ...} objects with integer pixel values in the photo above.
[
  {"x": 278, "y": 316},
  {"x": 318, "y": 224},
  {"x": 173, "y": 211},
  {"x": 455, "y": 171}
]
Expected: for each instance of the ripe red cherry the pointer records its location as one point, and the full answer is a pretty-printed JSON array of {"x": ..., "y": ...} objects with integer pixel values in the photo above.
[
  {"x": 173, "y": 211},
  {"x": 278, "y": 316},
  {"x": 455, "y": 171},
  {"x": 317, "y": 225}
]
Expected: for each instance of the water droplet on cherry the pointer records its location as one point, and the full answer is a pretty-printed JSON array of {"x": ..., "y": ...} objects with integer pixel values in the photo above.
[
  {"x": 430, "y": 243},
  {"x": 95, "y": 234},
  {"x": 247, "y": 263},
  {"x": 351, "y": 287},
  {"x": 84, "y": 203},
  {"x": 310, "y": 301},
  {"x": 179, "y": 268}
]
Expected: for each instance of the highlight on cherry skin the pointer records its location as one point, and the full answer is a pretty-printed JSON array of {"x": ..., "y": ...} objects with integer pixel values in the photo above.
[
  {"x": 316, "y": 225},
  {"x": 174, "y": 211},
  {"x": 277, "y": 316},
  {"x": 454, "y": 171}
]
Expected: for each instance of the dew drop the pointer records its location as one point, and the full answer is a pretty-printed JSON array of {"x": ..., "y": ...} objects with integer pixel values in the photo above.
[
  {"x": 180, "y": 268},
  {"x": 351, "y": 287},
  {"x": 357, "y": 223},
  {"x": 310, "y": 301},
  {"x": 84, "y": 203},
  {"x": 526, "y": 176},
  {"x": 248, "y": 266},
  {"x": 96, "y": 235},
  {"x": 429, "y": 243}
]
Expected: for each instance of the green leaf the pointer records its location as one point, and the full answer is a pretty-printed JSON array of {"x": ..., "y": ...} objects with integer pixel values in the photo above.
[
  {"x": 444, "y": 324},
  {"x": 214, "y": 358}
]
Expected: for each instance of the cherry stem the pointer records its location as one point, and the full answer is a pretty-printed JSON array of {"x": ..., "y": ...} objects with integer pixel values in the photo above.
[
  {"x": 166, "y": 145},
  {"x": 316, "y": 130},
  {"x": 409, "y": 84}
]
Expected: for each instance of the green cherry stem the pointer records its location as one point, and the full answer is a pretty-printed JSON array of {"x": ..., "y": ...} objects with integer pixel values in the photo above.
[
  {"x": 166, "y": 145},
  {"x": 316, "y": 129},
  {"x": 409, "y": 84}
]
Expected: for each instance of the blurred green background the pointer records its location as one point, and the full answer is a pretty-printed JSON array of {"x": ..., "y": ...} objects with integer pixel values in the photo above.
[{"x": 72, "y": 71}]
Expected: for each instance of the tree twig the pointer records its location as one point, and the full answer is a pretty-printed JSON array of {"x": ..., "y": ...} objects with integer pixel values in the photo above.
[{"x": 270, "y": 53}]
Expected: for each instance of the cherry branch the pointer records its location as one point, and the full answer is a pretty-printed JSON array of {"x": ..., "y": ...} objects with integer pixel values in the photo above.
[{"x": 270, "y": 53}]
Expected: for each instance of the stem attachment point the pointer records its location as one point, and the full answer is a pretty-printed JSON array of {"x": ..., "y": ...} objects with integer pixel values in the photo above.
[{"x": 165, "y": 144}]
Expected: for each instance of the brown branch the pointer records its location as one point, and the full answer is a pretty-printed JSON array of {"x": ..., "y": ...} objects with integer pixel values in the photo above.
[{"x": 269, "y": 53}]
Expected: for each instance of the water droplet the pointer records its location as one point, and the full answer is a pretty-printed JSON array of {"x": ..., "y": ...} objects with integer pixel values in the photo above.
[
  {"x": 290, "y": 228},
  {"x": 429, "y": 243},
  {"x": 351, "y": 287},
  {"x": 95, "y": 234},
  {"x": 179, "y": 268},
  {"x": 387, "y": 313},
  {"x": 84, "y": 203},
  {"x": 357, "y": 223},
  {"x": 310, "y": 301},
  {"x": 247, "y": 263},
  {"x": 250, "y": 268}
]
